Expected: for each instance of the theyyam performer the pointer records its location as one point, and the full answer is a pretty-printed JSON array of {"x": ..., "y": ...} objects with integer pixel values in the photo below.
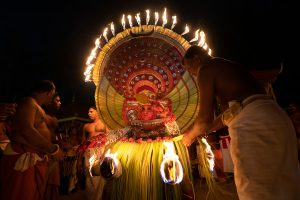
[{"x": 141, "y": 84}]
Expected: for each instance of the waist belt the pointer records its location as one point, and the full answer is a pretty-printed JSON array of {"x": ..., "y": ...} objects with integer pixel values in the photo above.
[{"x": 237, "y": 106}]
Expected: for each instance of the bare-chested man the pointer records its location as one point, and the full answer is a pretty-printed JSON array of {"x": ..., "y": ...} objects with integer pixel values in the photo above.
[
  {"x": 94, "y": 140},
  {"x": 94, "y": 128},
  {"x": 263, "y": 140},
  {"x": 53, "y": 181},
  {"x": 24, "y": 164}
]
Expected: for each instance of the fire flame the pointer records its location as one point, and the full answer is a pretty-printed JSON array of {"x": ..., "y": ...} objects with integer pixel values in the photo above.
[
  {"x": 123, "y": 22},
  {"x": 147, "y": 17},
  {"x": 173, "y": 173},
  {"x": 165, "y": 20},
  {"x": 112, "y": 28},
  {"x": 174, "y": 21},
  {"x": 138, "y": 19},
  {"x": 92, "y": 161},
  {"x": 129, "y": 20},
  {"x": 209, "y": 52},
  {"x": 196, "y": 36},
  {"x": 105, "y": 34},
  {"x": 89, "y": 65},
  {"x": 186, "y": 30},
  {"x": 202, "y": 39},
  {"x": 156, "y": 18}
]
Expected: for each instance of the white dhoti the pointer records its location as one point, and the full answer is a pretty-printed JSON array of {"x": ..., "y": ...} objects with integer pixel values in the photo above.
[
  {"x": 264, "y": 152},
  {"x": 226, "y": 157},
  {"x": 94, "y": 185}
]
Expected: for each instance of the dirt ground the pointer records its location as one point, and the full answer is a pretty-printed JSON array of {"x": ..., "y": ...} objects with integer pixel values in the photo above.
[{"x": 225, "y": 191}]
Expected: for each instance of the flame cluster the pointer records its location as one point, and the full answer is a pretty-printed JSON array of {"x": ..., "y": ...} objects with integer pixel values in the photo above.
[{"x": 199, "y": 38}]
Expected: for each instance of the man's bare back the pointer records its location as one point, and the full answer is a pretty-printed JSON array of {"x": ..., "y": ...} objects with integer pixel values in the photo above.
[
  {"x": 230, "y": 81},
  {"x": 217, "y": 79}
]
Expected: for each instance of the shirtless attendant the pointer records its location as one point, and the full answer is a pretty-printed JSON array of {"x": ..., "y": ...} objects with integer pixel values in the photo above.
[
  {"x": 263, "y": 139},
  {"x": 94, "y": 140},
  {"x": 24, "y": 164}
]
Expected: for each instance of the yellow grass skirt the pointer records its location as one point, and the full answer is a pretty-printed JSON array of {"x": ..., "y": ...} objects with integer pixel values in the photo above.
[{"x": 141, "y": 179}]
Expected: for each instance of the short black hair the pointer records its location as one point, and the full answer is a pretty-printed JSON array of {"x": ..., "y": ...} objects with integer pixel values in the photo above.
[
  {"x": 94, "y": 107},
  {"x": 41, "y": 86},
  {"x": 193, "y": 51}
]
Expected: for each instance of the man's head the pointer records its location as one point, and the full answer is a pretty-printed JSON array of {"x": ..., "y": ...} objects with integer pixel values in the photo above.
[
  {"x": 56, "y": 101},
  {"x": 194, "y": 58},
  {"x": 93, "y": 114},
  {"x": 45, "y": 89}
]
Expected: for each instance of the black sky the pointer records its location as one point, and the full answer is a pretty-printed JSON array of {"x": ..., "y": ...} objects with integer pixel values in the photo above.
[{"x": 52, "y": 39}]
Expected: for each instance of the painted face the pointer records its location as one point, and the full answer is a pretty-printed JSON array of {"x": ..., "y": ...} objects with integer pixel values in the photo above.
[{"x": 92, "y": 113}]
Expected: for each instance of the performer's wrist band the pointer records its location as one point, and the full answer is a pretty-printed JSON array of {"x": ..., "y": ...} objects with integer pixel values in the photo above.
[{"x": 56, "y": 150}]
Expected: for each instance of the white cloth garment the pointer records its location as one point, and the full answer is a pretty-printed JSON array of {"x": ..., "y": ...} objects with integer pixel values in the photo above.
[
  {"x": 226, "y": 157},
  {"x": 264, "y": 152},
  {"x": 25, "y": 160}
]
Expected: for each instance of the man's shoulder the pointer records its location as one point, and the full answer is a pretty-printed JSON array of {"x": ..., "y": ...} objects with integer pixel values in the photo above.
[
  {"x": 26, "y": 100},
  {"x": 27, "y": 103}
]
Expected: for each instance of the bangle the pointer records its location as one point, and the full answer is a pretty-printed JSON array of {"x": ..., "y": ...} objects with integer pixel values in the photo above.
[{"x": 56, "y": 151}]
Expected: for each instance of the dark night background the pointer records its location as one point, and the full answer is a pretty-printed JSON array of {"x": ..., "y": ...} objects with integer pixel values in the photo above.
[{"x": 52, "y": 39}]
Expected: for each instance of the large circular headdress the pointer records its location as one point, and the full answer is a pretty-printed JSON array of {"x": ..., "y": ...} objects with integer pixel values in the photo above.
[{"x": 143, "y": 60}]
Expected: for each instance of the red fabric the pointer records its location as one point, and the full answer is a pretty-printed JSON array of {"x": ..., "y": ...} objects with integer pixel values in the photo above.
[
  {"x": 27, "y": 185},
  {"x": 223, "y": 141},
  {"x": 53, "y": 181},
  {"x": 96, "y": 141}
]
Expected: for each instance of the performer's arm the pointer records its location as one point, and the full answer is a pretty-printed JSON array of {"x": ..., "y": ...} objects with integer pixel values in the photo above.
[
  {"x": 216, "y": 125},
  {"x": 205, "y": 117}
]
